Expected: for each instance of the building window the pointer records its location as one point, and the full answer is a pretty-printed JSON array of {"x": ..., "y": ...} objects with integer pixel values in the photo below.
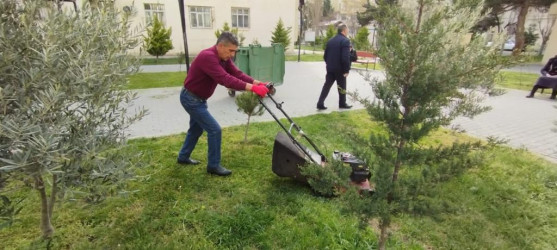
[
  {"x": 153, "y": 10},
  {"x": 240, "y": 17},
  {"x": 200, "y": 17}
]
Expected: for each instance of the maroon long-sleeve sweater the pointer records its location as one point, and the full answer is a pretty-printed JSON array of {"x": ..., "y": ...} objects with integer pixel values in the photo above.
[{"x": 207, "y": 70}]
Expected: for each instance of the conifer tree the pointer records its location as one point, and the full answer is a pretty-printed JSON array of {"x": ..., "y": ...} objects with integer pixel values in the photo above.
[
  {"x": 361, "y": 41},
  {"x": 234, "y": 31},
  {"x": 327, "y": 8},
  {"x": 281, "y": 35},
  {"x": 432, "y": 77},
  {"x": 248, "y": 103},
  {"x": 158, "y": 42},
  {"x": 331, "y": 32}
]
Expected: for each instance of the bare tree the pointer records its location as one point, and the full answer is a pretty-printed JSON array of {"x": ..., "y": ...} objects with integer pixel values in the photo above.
[{"x": 545, "y": 25}]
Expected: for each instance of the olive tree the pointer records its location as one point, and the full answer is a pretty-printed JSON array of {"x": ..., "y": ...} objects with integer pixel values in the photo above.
[{"x": 63, "y": 101}]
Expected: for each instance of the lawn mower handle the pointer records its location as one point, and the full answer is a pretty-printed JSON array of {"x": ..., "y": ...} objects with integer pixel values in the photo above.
[{"x": 272, "y": 91}]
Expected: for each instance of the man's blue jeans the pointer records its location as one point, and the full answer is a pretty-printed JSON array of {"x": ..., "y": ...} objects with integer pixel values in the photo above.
[{"x": 200, "y": 119}]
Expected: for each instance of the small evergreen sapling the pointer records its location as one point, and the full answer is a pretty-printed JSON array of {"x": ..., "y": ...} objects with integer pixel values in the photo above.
[
  {"x": 248, "y": 103},
  {"x": 158, "y": 42},
  {"x": 361, "y": 41},
  {"x": 281, "y": 34}
]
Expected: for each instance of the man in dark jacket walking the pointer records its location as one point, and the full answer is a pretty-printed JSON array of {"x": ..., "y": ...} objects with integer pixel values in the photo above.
[{"x": 337, "y": 58}]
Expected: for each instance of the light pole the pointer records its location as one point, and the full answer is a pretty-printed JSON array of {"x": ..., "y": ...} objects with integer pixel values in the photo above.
[
  {"x": 300, "y": 8},
  {"x": 183, "y": 19}
]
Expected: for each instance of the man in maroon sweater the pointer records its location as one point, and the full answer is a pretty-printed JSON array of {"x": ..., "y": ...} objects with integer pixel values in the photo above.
[{"x": 211, "y": 67}]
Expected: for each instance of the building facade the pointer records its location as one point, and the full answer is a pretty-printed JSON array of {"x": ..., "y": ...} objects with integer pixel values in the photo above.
[{"x": 255, "y": 19}]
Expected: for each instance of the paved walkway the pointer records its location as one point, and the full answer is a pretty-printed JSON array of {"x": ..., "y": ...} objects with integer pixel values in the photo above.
[{"x": 526, "y": 123}]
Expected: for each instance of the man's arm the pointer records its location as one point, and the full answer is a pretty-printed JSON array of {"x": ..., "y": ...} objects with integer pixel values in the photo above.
[
  {"x": 233, "y": 70},
  {"x": 345, "y": 56},
  {"x": 546, "y": 68}
]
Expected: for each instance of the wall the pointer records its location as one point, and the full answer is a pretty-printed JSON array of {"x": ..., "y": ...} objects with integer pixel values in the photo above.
[{"x": 264, "y": 15}]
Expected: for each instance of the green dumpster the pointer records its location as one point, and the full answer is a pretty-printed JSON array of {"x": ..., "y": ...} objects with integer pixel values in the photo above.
[
  {"x": 242, "y": 59},
  {"x": 265, "y": 64}
]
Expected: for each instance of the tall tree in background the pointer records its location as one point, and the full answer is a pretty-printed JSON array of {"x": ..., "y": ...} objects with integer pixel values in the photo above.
[
  {"x": 492, "y": 9},
  {"x": 327, "y": 8},
  {"x": 281, "y": 34},
  {"x": 372, "y": 11},
  {"x": 158, "y": 42},
  {"x": 431, "y": 78},
  {"x": 545, "y": 26},
  {"x": 63, "y": 116},
  {"x": 314, "y": 13},
  {"x": 522, "y": 6}
]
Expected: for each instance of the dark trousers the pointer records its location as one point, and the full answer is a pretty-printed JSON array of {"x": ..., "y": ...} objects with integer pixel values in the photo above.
[
  {"x": 535, "y": 88},
  {"x": 330, "y": 78}
]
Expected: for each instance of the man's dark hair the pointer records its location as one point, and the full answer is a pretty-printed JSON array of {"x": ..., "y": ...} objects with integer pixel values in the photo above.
[
  {"x": 341, "y": 27},
  {"x": 227, "y": 38}
]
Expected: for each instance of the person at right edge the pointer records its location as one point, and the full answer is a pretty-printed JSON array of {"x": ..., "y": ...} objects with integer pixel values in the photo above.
[
  {"x": 337, "y": 59},
  {"x": 548, "y": 78}
]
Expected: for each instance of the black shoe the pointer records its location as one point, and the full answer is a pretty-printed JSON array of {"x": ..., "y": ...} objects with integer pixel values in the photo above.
[
  {"x": 345, "y": 106},
  {"x": 220, "y": 170},
  {"x": 529, "y": 96},
  {"x": 321, "y": 107},
  {"x": 188, "y": 161},
  {"x": 552, "y": 97}
]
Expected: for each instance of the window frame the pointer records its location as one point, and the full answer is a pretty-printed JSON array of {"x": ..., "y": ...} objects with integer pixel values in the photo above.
[
  {"x": 150, "y": 12},
  {"x": 203, "y": 12},
  {"x": 235, "y": 17}
]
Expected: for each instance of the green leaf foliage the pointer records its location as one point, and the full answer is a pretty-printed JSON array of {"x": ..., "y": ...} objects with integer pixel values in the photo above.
[
  {"x": 531, "y": 36},
  {"x": 331, "y": 32},
  {"x": 158, "y": 42},
  {"x": 248, "y": 103},
  {"x": 361, "y": 41},
  {"x": 62, "y": 101},
  {"x": 281, "y": 34},
  {"x": 329, "y": 180}
]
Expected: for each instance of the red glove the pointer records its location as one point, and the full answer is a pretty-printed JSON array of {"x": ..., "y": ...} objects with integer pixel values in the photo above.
[
  {"x": 260, "y": 90},
  {"x": 263, "y": 84}
]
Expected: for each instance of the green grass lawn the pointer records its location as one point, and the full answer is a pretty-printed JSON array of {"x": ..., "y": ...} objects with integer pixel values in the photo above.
[
  {"x": 164, "y": 60},
  {"x": 513, "y": 80},
  {"x": 305, "y": 57},
  {"x": 508, "y": 204},
  {"x": 517, "y": 80},
  {"x": 156, "y": 80}
]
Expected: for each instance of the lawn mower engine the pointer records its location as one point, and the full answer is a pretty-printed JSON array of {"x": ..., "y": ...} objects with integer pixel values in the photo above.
[{"x": 289, "y": 155}]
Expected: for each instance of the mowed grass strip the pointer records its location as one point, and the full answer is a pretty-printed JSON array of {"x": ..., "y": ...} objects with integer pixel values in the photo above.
[
  {"x": 517, "y": 80},
  {"x": 506, "y": 79},
  {"x": 507, "y": 204},
  {"x": 156, "y": 80}
]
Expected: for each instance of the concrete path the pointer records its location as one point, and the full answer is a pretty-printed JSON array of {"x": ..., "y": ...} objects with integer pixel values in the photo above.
[{"x": 525, "y": 123}]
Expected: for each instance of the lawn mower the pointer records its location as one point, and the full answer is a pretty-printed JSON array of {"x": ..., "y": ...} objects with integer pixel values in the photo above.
[{"x": 289, "y": 154}]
